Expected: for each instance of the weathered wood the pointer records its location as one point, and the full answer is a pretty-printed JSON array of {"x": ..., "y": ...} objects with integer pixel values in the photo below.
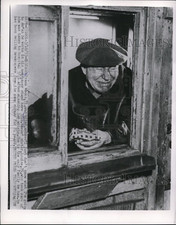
[
  {"x": 156, "y": 86},
  {"x": 129, "y": 185},
  {"x": 125, "y": 201},
  {"x": 59, "y": 70},
  {"x": 151, "y": 191},
  {"x": 116, "y": 15},
  {"x": 136, "y": 195},
  {"x": 138, "y": 68},
  {"x": 73, "y": 196},
  {"x": 151, "y": 146},
  {"x": 63, "y": 85},
  {"x": 127, "y": 192},
  {"x": 42, "y": 11},
  {"x": 43, "y": 160},
  {"x": 90, "y": 205},
  {"x": 104, "y": 9},
  {"x": 167, "y": 200},
  {"x": 102, "y": 149},
  {"x": 37, "y": 157},
  {"x": 54, "y": 127},
  {"x": 165, "y": 93},
  {"x": 148, "y": 75},
  {"x": 140, "y": 205},
  {"x": 151, "y": 97},
  {"x": 157, "y": 91},
  {"x": 41, "y": 149},
  {"x": 92, "y": 157},
  {"x": 122, "y": 169}
]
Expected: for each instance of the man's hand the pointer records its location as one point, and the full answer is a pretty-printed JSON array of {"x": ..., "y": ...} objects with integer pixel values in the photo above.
[{"x": 105, "y": 138}]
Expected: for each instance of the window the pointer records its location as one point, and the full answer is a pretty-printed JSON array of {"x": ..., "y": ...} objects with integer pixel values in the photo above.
[
  {"x": 68, "y": 27},
  {"x": 110, "y": 111},
  {"x": 43, "y": 76}
]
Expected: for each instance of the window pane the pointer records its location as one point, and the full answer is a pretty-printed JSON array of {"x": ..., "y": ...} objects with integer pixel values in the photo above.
[
  {"x": 42, "y": 71},
  {"x": 40, "y": 51}
]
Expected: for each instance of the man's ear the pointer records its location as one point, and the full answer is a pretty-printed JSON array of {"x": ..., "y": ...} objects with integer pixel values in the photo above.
[{"x": 83, "y": 69}]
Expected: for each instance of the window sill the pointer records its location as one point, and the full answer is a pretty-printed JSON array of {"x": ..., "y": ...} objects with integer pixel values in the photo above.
[
  {"x": 84, "y": 169},
  {"x": 99, "y": 155},
  {"x": 49, "y": 158},
  {"x": 43, "y": 159}
]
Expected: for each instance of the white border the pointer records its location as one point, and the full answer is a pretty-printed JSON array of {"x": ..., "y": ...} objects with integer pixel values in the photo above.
[{"x": 77, "y": 217}]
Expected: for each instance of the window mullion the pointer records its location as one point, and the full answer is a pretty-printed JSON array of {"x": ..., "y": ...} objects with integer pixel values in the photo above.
[{"x": 63, "y": 86}]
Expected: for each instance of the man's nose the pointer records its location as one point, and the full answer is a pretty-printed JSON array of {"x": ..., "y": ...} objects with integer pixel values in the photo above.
[{"x": 106, "y": 75}]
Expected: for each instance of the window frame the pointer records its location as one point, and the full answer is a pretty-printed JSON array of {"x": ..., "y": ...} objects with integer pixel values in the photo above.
[
  {"x": 61, "y": 109},
  {"x": 139, "y": 34}
]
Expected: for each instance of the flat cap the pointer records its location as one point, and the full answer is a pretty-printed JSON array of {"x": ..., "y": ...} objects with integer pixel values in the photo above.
[{"x": 100, "y": 52}]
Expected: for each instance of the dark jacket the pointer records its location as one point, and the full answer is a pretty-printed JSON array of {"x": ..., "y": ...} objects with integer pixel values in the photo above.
[{"x": 105, "y": 113}]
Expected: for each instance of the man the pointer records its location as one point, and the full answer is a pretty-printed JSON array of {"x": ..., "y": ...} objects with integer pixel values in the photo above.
[
  {"x": 99, "y": 99},
  {"x": 99, "y": 96}
]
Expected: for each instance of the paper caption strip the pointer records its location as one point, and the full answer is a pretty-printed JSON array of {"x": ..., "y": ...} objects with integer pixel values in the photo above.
[{"x": 19, "y": 111}]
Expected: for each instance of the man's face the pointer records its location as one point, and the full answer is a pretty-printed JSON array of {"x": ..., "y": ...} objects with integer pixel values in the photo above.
[{"x": 102, "y": 78}]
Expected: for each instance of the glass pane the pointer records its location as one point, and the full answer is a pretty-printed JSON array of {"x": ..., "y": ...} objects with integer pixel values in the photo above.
[{"x": 41, "y": 76}]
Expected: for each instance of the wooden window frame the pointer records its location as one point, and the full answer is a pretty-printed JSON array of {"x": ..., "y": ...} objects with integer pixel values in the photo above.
[
  {"x": 61, "y": 108},
  {"x": 137, "y": 106},
  {"x": 139, "y": 34}
]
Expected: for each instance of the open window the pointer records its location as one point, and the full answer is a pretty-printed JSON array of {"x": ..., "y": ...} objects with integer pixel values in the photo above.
[
  {"x": 112, "y": 111},
  {"x": 118, "y": 25}
]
